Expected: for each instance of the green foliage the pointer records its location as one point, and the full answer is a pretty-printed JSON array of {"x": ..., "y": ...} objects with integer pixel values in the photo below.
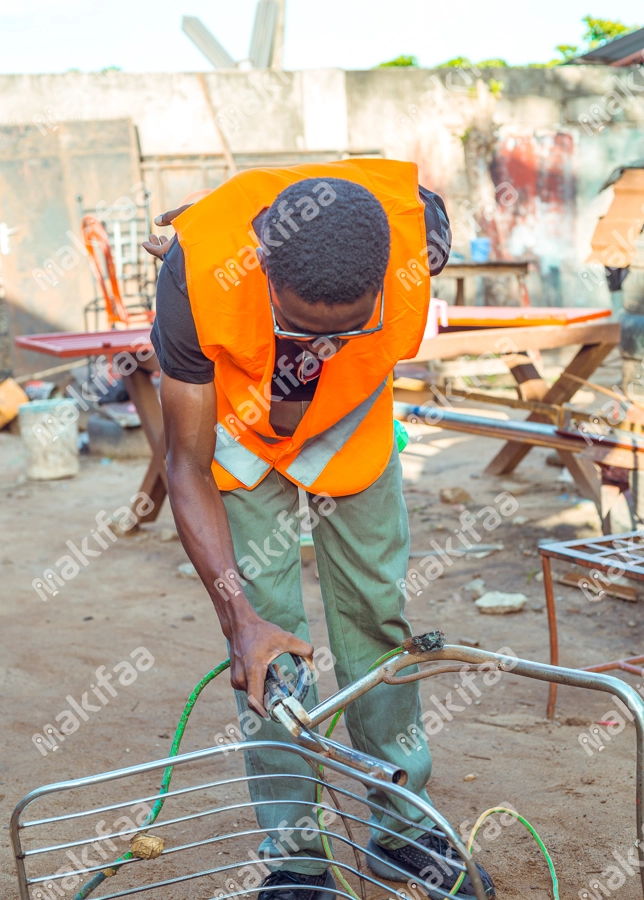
[
  {"x": 110, "y": 69},
  {"x": 599, "y": 31},
  {"x": 568, "y": 51},
  {"x": 399, "y": 61},
  {"x": 459, "y": 62},
  {"x": 492, "y": 64},
  {"x": 495, "y": 87}
]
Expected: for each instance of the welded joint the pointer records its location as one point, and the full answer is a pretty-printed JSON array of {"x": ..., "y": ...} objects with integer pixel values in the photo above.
[{"x": 424, "y": 643}]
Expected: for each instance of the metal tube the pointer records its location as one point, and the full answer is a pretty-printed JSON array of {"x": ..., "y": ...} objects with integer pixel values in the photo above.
[
  {"x": 339, "y": 700},
  {"x": 535, "y": 433},
  {"x": 540, "y": 671},
  {"x": 552, "y": 630},
  {"x": 626, "y": 664},
  {"x": 224, "y": 837},
  {"x": 198, "y": 755},
  {"x": 350, "y": 757}
]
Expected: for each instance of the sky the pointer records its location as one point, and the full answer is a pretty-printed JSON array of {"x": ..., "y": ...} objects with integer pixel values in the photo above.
[{"x": 43, "y": 36}]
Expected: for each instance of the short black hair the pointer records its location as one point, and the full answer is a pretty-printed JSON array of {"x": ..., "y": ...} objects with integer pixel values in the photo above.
[{"x": 329, "y": 241}]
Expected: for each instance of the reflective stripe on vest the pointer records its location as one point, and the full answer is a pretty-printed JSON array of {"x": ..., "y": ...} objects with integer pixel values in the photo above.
[
  {"x": 248, "y": 468},
  {"x": 243, "y": 464},
  {"x": 318, "y": 450}
]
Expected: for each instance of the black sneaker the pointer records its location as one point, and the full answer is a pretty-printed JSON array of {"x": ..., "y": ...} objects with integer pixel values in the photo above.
[
  {"x": 293, "y": 886},
  {"x": 430, "y": 872}
]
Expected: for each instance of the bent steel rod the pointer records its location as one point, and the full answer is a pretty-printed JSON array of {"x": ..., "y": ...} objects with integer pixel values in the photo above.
[
  {"x": 593, "y": 681},
  {"x": 368, "y": 780}
]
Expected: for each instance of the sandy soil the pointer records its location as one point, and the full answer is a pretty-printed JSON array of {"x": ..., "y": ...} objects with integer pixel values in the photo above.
[{"x": 131, "y": 596}]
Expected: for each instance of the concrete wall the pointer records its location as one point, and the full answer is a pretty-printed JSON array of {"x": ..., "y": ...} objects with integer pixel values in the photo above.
[{"x": 552, "y": 134}]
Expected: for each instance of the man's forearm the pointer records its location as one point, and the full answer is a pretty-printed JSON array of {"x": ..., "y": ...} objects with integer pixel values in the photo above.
[{"x": 201, "y": 520}]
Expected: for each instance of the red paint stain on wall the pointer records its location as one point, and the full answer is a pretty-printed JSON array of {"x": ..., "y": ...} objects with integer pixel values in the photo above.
[{"x": 540, "y": 168}]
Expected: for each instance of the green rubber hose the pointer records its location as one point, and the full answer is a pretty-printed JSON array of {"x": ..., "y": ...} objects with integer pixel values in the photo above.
[
  {"x": 100, "y": 877},
  {"x": 526, "y": 824}
]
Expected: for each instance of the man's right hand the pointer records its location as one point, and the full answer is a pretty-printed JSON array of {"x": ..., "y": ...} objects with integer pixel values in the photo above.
[
  {"x": 254, "y": 644},
  {"x": 158, "y": 245}
]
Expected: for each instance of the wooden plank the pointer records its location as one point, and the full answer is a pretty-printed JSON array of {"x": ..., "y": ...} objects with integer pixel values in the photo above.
[
  {"x": 584, "y": 364},
  {"x": 531, "y": 385},
  {"x": 516, "y": 340},
  {"x": 621, "y": 591},
  {"x": 488, "y": 270},
  {"x": 621, "y": 457},
  {"x": 144, "y": 396}
]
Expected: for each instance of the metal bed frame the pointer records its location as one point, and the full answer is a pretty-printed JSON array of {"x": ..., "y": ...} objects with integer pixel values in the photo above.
[{"x": 365, "y": 770}]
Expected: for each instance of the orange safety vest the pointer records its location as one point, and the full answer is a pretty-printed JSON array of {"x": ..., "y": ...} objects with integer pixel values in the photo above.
[{"x": 344, "y": 441}]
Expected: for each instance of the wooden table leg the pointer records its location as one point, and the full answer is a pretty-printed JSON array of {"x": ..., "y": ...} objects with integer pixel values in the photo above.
[
  {"x": 587, "y": 477},
  {"x": 552, "y": 628},
  {"x": 144, "y": 396},
  {"x": 460, "y": 292},
  {"x": 531, "y": 385},
  {"x": 590, "y": 356},
  {"x": 155, "y": 483}
]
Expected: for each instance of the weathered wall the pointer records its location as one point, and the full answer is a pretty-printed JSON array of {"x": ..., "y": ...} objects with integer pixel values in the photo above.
[
  {"x": 48, "y": 281},
  {"x": 553, "y": 135}
]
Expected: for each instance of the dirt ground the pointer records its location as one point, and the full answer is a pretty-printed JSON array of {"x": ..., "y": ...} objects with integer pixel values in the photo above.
[{"x": 132, "y": 596}]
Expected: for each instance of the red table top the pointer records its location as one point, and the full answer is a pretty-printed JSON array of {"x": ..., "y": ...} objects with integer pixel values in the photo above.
[
  {"x": 96, "y": 343},
  {"x": 107, "y": 343},
  {"x": 520, "y": 316}
]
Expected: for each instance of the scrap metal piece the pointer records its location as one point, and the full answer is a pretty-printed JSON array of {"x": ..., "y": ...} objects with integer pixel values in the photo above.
[
  {"x": 355, "y": 759},
  {"x": 424, "y": 643}
]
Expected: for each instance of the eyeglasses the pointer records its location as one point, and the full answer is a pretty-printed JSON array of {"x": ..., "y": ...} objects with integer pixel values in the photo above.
[{"x": 313, "y": 336}]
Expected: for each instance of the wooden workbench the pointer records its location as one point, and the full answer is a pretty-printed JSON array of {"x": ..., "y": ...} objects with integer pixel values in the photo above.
[
  {"x": 595, "y": 337},
  {"x": 492, "y": 269}
]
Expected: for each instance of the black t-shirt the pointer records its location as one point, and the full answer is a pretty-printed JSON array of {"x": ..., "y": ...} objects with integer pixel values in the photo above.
[{"x": 174, "y": 334}]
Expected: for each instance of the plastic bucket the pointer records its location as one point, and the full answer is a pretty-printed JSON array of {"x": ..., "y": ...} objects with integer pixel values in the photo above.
[
  {"x": 436, "y": 316},
  {"x": 480, "y": 250},
  {"x": 49, "y": 431}
]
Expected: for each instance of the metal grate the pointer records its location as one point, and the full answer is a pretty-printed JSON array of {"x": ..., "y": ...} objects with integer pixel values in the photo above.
[
  {"x": 214, "y": 845},
  {"x": 623, "y": 550}
]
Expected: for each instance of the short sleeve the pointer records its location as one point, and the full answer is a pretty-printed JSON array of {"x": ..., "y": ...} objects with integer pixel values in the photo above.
[
  {"x": 174, "y": 334},
  {"x": 437, "y": 227}
]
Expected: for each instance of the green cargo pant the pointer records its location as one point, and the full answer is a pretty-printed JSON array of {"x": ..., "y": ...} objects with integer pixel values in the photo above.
[{"x": 362, "y": 549}]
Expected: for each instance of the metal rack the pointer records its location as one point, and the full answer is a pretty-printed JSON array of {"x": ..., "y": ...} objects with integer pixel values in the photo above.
[
  {"x": 136, "y": 271},
  {"x": 52, "y": 862}
]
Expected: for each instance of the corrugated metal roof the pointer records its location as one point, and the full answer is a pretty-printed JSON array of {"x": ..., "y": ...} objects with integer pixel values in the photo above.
[{"x": 614, "y": 52}]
